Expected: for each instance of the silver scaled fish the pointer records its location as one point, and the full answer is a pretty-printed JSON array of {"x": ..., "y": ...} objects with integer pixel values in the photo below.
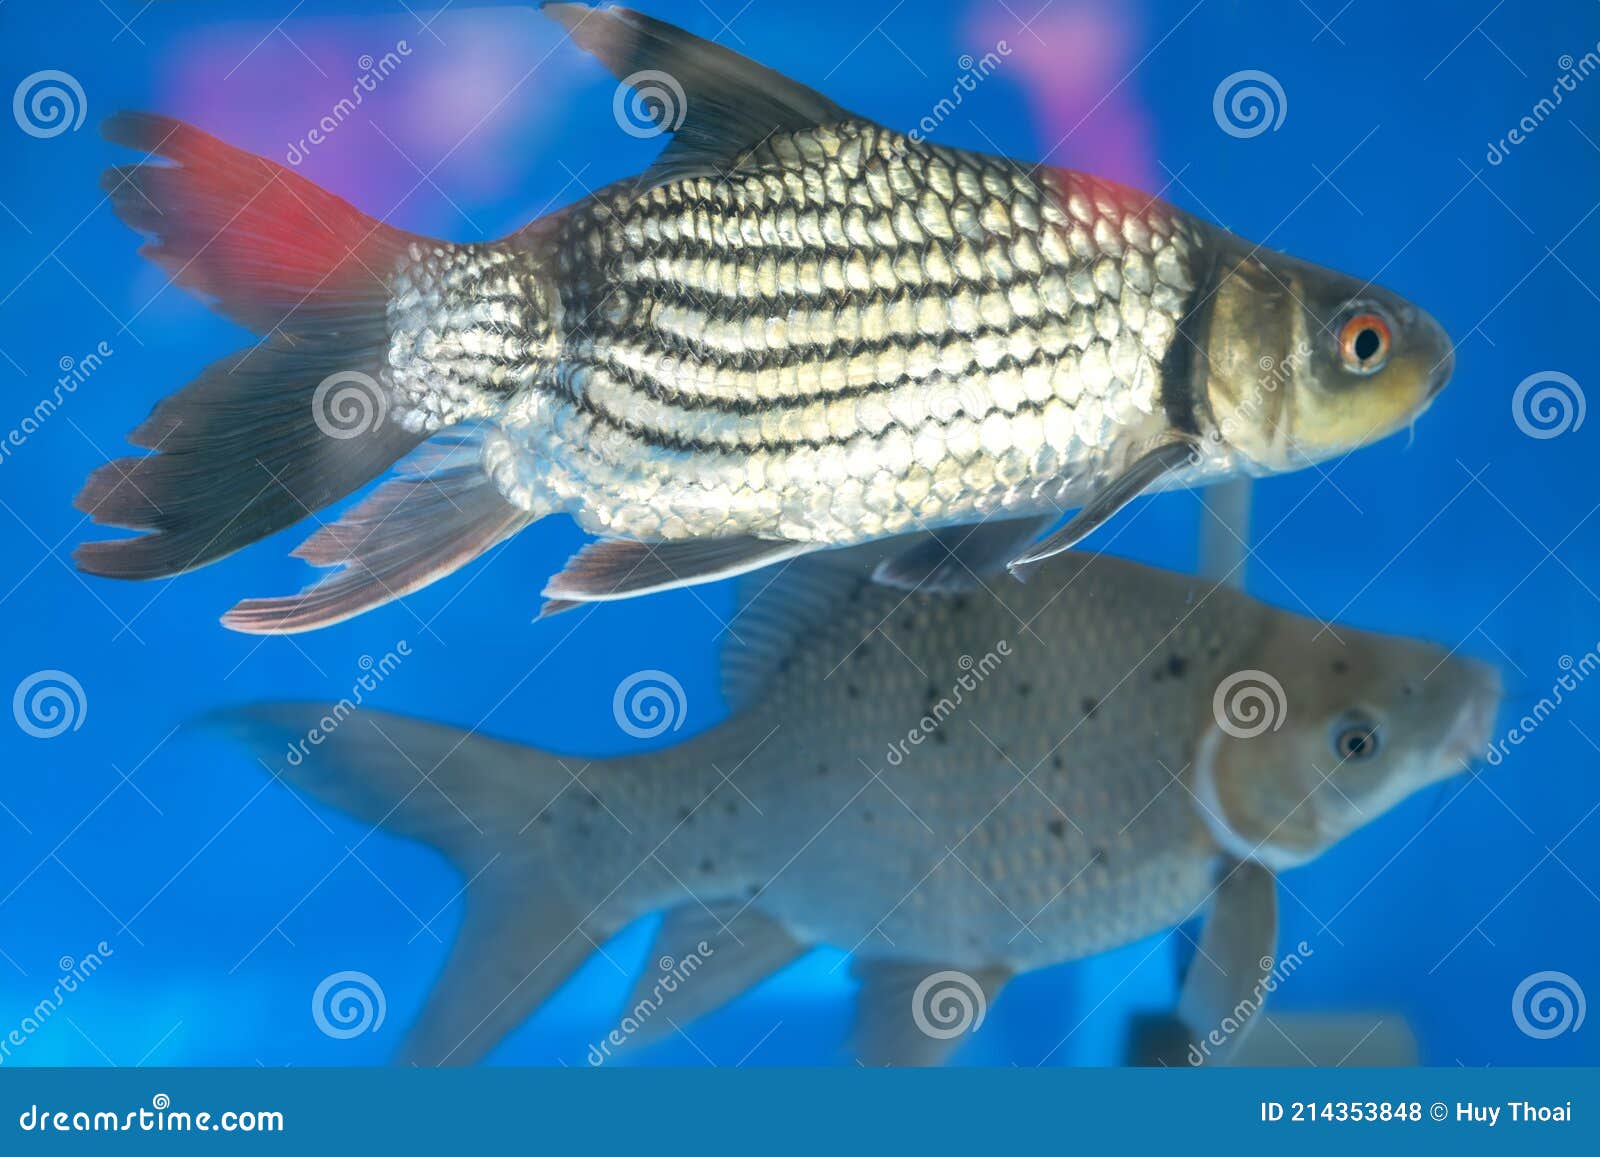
[
  {"x": 934, "y": 783},
  {"x": 798, "y": 329}
]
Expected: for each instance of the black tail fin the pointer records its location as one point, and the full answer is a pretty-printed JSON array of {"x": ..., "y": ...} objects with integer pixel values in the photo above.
[{"x": 264, "y": 438}]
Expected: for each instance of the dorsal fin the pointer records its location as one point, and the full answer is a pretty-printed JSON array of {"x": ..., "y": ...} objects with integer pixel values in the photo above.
[
  {"x": 716, "y": 103},
  {"x": 775, "y": 610}
]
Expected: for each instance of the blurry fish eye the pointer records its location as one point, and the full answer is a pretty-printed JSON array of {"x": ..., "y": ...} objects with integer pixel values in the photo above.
[
  {"x": 1364, "y": 343},
  {"x": 1355, "y": 738}
]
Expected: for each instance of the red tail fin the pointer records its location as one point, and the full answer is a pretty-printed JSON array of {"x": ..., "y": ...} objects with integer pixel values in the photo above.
[
  {"x": 271, "y": 249},
  {"x": 242, "y": 450}
]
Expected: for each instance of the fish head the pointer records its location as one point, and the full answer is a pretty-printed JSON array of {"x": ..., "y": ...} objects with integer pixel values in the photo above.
[
  {"x": 1302, "y": 363},
  {"x": 1326, "y": 731}
]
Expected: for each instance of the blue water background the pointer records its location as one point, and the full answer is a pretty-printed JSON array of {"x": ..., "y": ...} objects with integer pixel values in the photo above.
[{"x": 225, "y": 900}]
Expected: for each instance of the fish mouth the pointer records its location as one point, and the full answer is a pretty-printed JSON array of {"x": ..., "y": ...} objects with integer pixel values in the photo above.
[
  {"x": 1438, "y": 338},
  {"x": 1467, "y": 741},
  {"x": 1442, "y": 372}
]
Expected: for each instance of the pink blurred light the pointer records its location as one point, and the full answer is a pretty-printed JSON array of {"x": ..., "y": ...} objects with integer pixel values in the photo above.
[
  {"x": 465, "y": 111},
  {"x": 1072, "y": 67}
]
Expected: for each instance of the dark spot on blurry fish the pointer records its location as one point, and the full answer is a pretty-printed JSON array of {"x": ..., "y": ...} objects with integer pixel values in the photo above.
[{"x": 854, "y": 828}]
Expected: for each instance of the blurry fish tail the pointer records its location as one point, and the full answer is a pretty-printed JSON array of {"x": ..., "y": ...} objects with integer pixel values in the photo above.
[
  {"x": 479, "y": 802},
  {"x": 264, "y": 437}
]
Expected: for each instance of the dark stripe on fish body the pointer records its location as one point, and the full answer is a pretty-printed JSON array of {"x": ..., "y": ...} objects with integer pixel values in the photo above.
[
  {"x": 1178, "y": 393},
  {"x": 664, "y": 440},
  {"x": 669, "y": 394},
  {"x": 719, "y": 238}
]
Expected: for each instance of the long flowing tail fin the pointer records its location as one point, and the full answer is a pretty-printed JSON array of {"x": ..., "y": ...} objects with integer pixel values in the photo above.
[
  {"x": 263, "y": 438},
  {"x": 476, "y": 800}
]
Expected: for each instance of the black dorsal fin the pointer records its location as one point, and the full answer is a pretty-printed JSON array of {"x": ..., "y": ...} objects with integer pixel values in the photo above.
[{"x": 729, "y": 103}]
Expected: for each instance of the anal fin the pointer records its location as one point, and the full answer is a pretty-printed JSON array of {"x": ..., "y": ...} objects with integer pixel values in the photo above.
[
  {"x": 407, "y": 534},
  {"x": 710, "y": 956}
]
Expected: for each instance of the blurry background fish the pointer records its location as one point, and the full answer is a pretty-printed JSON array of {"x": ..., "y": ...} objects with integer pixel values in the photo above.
[
  {"x": 226, "y": 905},
  {"x": 1119, "y": 750}
]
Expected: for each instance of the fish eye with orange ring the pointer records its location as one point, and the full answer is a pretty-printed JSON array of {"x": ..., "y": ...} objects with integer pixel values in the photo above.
[{"x": 1364, "y": 342}]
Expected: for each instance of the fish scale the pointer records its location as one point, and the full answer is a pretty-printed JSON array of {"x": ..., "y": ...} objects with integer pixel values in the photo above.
[
  {"x": 1045, "y": 797},
  {"x": 854, "y": 334},
  {"x": 990, "y": 781},
  {"x": 797, "y": 329}
]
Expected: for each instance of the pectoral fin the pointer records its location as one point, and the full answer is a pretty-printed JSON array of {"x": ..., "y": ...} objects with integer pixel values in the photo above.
[
  {"x": 1224, "y": 987},
  {"x": 910, "y": 1014},
  {"x": 1110, "y": 498},
  {"x": 709, "y": 957},
  {"x": 955, "y": 558}
]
